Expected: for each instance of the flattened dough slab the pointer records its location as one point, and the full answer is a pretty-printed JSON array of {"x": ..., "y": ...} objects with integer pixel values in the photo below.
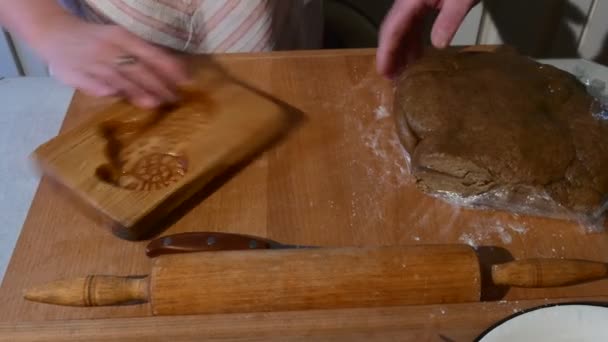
[{"x": 481, "y": 121}]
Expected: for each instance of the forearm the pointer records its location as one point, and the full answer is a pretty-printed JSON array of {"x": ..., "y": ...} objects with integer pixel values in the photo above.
[{"x": 29, "y": 19}]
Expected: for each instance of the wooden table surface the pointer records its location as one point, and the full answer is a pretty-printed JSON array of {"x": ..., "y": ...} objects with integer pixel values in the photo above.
[{"x": 339, "y": 179}]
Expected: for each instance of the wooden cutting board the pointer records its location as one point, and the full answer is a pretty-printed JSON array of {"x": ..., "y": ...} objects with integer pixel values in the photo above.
[
  {"x": 415, "y": 323},
  {"x": 339, "y": 179}
]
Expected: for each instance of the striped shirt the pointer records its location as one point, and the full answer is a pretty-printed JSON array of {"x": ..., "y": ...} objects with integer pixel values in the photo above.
[{"x": 212, "y": 26}]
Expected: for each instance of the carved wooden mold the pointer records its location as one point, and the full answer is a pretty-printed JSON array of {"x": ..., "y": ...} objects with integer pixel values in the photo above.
[
  {"x": 150, "y": 153},
  {"x": 134, "y": 167}
]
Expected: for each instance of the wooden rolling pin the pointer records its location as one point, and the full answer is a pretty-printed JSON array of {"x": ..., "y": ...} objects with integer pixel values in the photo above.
[{"x": 267, "y": 279}]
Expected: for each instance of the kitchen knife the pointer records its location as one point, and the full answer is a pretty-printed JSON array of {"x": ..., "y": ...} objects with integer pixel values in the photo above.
[{"x": 211, "y": 241}]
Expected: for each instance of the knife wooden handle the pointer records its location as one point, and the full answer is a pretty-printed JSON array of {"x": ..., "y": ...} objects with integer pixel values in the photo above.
[
  {"x": 94, "y": 290},
  {"x": 204, "y": 242},
  {"x": 548, "y": 272}
]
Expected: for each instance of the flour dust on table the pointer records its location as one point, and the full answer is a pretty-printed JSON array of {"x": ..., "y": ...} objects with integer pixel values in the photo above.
[
  {"x": 487, "y": 231},
  {"x": 381, "y": 158}
]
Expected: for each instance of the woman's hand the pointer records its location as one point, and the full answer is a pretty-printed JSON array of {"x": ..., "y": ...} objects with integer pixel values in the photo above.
[
  {"x": 105, "y": 60},
  {"x": 401, "y": 33}
]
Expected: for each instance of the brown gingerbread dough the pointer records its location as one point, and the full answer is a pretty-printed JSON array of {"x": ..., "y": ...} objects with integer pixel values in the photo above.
[{"x": 480, "y": 121}]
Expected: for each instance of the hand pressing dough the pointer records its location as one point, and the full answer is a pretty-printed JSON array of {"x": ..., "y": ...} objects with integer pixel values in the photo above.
[{"x": 480, "y": 121}]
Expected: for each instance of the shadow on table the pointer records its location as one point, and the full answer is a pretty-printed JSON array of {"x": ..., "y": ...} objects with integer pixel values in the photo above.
[{"x": 488, "y": 256}]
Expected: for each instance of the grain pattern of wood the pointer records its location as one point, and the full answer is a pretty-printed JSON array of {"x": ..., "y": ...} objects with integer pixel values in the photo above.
[
  {"x": 323, "y": 278},
  {"x": 416, "y": 323},
  {"x": 340, "y": 179},
  {"x": 136, "y": 166}
]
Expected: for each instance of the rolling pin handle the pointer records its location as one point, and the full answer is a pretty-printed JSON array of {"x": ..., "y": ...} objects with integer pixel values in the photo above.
[
  {"x": 537, "y": 273},
  {"x": 92, "y": 290}
]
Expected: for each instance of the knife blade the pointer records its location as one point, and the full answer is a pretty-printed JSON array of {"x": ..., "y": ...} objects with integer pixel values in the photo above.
[{"x": 191, "y": 242}]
